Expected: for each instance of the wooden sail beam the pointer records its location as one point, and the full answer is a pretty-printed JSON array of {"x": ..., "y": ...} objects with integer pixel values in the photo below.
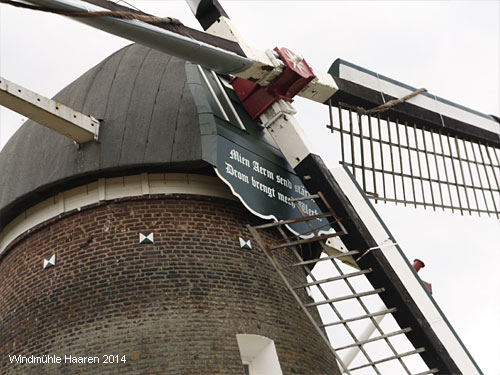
[{"x": 47, "y": 112}]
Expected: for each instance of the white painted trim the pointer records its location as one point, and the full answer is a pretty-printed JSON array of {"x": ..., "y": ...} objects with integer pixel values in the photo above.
[
  {"x": 370, "y": 81},
  {"x": 49, "y": 113},
  {"x": 211, "y": 90},
  {"x": 320, "y": 89},
  {"x": 285, "y": 130},
  {"x": 226, "y": 98},
  {"x": 260, "y": 353},
  {"x": 403, "y": 270},
  {"x": 225, "y": 28},
  {"x": 109, "y": 189},
  {"x": 145, "y": 184},
  {"x": 259, "y": 70}
]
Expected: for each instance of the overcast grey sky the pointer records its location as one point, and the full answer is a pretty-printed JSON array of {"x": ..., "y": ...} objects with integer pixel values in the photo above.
[{"x": 451, "y": 48}]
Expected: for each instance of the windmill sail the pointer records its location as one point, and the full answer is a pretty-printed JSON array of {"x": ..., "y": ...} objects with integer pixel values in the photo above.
[
  {"x": 415, "y": 336},
  {"x": 425, "y": 151},
  {"x": 390, "y": 275}
]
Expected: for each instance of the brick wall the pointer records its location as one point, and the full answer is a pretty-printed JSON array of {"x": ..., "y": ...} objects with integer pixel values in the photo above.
[{"x": 172, "y": 307}]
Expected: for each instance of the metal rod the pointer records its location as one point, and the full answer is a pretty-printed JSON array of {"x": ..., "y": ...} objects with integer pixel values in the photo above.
[
  {"x": 426, "y": 179},
  {"x": 419, "y": 165},
  {"x": 330, "y": 209},
  {"x": 497, "y": 182},
  {"x": 479, "y": 176},
  {"x": 488, "y": 179},
  {"x": 296, "y": 220},
  {"x": 361, "y": 317},
  {"x": 323, "y": 293},
  {"x": 392, "y": 159},
  {"x": 412, "y": 179},
  {"x": 307, "y": 240},
  {"x": 437, "y": 169},
  {"x": 362, "y": 148},
  {"x": 345, "y": 298},
  {"x": 342, "y": 145},
  {"x": 431, "y": 371},
  {"x": 330, "y": 114},
  {"x": 470, "y": 172},
  {"x": 370, "y": 132},
  {"x": 496, "y": 157},
  {"x": 493, "y": 171},
  {"x": 336, "y": 278},
  {"x": 321, "y": 333},
  {"x": 416, "y": 351},
  {"x": 332, "y": 306},
  {"x": 381, "y": 157},
  {"x": 352, "y": 353},
  {"x": 455, "y": 177},
  {"x": 428, "y": 169},
  {"x": 373, "y": 320},
  {"x": 308, "y": 222},
  {"x": 400, "y": 159},
  {"x": 441, "y": 206},
  {"x": 309, "y": 197},
  {"x": 330, "y": 213},
  {"x": 330, "y": 301},
  {"x": 391, "y": 334},
  {"x": 411, "y": 148},
  {"x": 351, "y": 130},
  {"x": 305, "y": 262},
  {"x": 462, "y": 173},
  {"x": 446, "y": 170}
]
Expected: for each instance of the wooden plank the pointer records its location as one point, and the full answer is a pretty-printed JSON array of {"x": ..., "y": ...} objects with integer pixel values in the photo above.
[
  {"x": 119, "y": 101},
  {"x": 187, "y": 141},
  {"x": 49, "y": 113},
  {"x": 161, "y": 130},
  {"x": 139, "y": 112}
]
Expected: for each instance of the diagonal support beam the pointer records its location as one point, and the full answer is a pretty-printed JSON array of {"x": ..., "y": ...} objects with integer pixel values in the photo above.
[{"x": 47, "y": 112}]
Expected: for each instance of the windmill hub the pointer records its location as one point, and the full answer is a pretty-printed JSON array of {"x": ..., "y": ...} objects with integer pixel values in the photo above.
[{"x": 296, "y": 76}]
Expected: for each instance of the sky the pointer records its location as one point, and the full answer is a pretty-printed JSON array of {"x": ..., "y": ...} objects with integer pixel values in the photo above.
[{"x": 452, "y": 48}]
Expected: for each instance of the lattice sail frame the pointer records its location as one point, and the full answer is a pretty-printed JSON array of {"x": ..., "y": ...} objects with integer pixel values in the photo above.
[
  {"x": 348, "y": 304},
  {"x": 402, "y": 163}
]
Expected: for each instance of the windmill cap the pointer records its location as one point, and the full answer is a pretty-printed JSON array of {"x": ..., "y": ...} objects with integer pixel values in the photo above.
[{"x": 149, "y": 123}]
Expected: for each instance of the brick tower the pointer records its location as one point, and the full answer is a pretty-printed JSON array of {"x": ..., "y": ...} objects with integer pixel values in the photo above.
[{"x": 131, "y": 250}]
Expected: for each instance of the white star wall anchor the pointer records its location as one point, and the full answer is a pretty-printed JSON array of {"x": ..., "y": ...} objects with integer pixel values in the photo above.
[
  {"x": 49, "y": 261},
  {"x": 146, "y": 238},
  {"x": 245, "y": 243}
]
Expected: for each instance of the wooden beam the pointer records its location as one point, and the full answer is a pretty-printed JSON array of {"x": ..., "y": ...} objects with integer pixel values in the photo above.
[
  {"x": 364, "y": 88},
  {"x": 47, "y": 112}
]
